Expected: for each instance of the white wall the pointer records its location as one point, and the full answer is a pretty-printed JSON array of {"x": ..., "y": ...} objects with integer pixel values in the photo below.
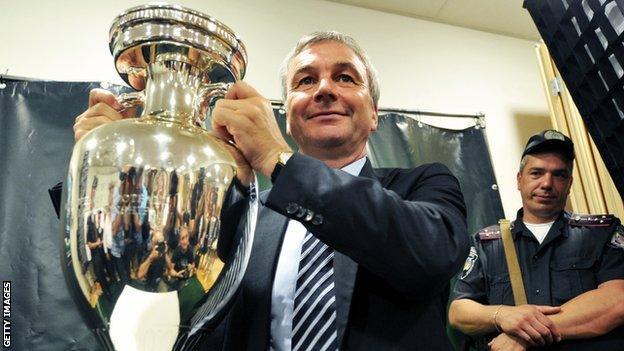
[{"x": 422, "y": 65}]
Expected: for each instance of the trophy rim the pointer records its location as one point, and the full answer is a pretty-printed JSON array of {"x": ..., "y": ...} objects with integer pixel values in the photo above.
[{"x": 209, "y": 36}]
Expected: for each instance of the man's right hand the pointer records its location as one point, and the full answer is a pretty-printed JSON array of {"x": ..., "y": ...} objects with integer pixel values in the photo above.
[
  {"x": 529, "y": 323},
  {"x": 103, "y": 109}
]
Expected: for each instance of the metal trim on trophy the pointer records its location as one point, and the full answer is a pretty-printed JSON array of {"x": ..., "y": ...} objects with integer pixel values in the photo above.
[{"x": 152, "y": 250}]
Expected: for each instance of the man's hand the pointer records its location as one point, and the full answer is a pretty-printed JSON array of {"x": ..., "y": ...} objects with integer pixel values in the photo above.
[
  {"x": 507, "y": 342},
  {"x": 95, "y": 245},
  {"x": 103, "y": 107},
  {"x": 246, "y": 117},
  {"x": 529, "y": 323},
  {"x": 244, "y": 173}
]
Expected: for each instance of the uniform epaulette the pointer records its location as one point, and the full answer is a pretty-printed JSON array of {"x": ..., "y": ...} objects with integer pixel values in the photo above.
[
  {"x": 490, "y": 233},
  {"x": 589, "y": 220}
]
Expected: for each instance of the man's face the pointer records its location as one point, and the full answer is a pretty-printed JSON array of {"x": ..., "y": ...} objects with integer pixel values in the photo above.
[
  {"x": 544, "y": 185},
  {"x": 328, "y": 101},
  {"x": 184, "y": 239}
]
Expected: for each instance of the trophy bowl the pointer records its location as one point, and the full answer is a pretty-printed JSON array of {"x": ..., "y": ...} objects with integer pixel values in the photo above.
[{"x": 152, "y": 248}]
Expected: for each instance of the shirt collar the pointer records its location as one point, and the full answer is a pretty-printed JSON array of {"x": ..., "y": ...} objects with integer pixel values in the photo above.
[
  {"x": 519, "y": 227},
  {"x": 355, "y": 167}
]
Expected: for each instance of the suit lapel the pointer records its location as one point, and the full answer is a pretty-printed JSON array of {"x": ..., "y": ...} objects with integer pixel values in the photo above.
[
  {"x": 345, "y": 271},
  {"x": 268, "y": 238}
]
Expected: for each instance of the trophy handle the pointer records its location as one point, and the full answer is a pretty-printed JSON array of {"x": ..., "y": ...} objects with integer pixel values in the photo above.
[
  {"x": 208, "y": 96},
  {"x": 130, "y": 100}
]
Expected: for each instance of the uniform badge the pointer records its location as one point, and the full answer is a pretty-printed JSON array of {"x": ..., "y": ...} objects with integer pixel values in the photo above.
[
  {"x": 553, "y": 134},
  {"x": 617, "y": 240},
  {"x": 470, "y": 262}
]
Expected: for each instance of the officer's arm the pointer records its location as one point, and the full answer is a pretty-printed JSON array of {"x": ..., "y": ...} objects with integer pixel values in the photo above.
[
  {"x": 471, "y": 317},
  {"x": 471, "y": 313},
  {"x": 527, "y": 322},
  {"x": 598, "y": 311},
  {"x": 593, "y": 313}
]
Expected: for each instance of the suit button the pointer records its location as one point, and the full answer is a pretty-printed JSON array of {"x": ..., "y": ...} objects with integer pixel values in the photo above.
[
  {"x": 301, "y": 212},
  {"x": 536, "y": 291},
  {"x": 309, "y": 215},
  {"x": 318, "y": 219},
  {"x": 291, "y": 208}
]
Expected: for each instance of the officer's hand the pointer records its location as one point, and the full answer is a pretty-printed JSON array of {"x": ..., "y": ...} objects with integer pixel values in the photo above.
[
  {"x": 246, "y": 117},
  {"x": 529, "y": 323},
  {"x": 103, "y": 107},
  {"x": 507, "y": 343}
]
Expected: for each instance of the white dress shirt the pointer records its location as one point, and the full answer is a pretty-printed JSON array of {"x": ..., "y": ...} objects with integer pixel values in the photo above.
[{"x": 283, "y": 294}]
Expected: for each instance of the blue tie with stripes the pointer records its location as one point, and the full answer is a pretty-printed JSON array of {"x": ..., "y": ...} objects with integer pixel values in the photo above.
[{"x": 314, "y": 318}]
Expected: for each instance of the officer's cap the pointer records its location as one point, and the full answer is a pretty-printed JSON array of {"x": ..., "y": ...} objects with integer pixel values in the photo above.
[{"x": 549, "y": 141}]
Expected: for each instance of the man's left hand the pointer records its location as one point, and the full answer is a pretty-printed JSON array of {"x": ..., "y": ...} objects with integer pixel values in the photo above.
[
  {"x": 246, "y": 117},
  {"x": 507, "y": 342}
]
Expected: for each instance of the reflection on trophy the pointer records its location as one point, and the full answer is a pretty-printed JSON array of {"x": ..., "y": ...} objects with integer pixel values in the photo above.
[{"x": 145, "y": 199}]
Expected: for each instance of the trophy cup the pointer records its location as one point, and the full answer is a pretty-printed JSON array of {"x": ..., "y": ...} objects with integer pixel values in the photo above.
[{"x": 146, "y": 252}]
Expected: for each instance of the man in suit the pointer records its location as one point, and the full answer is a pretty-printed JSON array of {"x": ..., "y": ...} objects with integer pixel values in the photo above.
[{"x": 344, "y": 255}]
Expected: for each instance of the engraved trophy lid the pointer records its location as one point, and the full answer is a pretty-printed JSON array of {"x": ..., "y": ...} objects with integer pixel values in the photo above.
[{"x": 159, "y": 32}]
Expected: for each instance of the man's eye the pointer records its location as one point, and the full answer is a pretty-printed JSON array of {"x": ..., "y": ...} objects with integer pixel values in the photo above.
[
  {"x": 345, "y": 78},
  {"x": 306, "y": 81}
]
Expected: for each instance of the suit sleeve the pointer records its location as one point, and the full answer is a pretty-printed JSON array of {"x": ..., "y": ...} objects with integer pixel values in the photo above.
[{"x": 416, "y": 240}]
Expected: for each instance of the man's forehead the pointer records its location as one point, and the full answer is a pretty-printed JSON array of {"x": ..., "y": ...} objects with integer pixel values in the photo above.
[
  {"x": 334, "y": 53},
  {"x": 547, "y": 160}
]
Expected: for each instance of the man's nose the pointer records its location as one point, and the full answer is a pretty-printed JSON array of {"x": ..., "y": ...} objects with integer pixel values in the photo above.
[
  {"x": 325, "y": 91},
  {"x": 547, "y": 180}
]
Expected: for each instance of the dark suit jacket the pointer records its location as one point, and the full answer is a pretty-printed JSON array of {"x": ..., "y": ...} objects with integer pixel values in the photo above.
[{"x": 399, "y": 236}]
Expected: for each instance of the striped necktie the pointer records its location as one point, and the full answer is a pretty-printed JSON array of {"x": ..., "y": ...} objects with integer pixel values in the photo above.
[{"x": 314, "y": 318}]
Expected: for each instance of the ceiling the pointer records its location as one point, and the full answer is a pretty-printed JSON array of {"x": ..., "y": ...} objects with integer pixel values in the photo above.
[{"x": 505, "y": 17}]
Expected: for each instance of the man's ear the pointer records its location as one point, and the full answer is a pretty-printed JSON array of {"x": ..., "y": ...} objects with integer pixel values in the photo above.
[
  {"x": 375, "y": 119},
  {"x": 287, "y": 116},
  {"x": 518, "y": 176}
]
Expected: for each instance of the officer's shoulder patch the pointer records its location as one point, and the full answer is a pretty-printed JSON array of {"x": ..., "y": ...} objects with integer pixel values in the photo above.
[
  {"x": 470, "y": 263},
  {"x": 490, "y": 233},
  {"x": 617, "y": 240},
  {"x": 589, "y": 220}
]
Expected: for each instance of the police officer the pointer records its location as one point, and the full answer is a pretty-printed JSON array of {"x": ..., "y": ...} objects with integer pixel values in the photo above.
[{"x": 572, "y": 267}]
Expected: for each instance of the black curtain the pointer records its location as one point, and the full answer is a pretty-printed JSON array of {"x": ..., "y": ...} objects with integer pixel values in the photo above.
[
  {"x": 36, "y": 141},
  {"x": 403, "y": 141}
]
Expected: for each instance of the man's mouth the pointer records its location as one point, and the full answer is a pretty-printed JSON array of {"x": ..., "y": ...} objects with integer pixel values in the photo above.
[
  {"x": 322, "y": 114},
  {"x": 544, "y": 198}
]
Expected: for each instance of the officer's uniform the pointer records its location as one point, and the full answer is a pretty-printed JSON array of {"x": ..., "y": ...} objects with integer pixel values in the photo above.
[{"x": 579, "y": 253}]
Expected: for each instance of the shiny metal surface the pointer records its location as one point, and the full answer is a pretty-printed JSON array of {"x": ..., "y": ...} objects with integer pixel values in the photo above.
[
  {"x": 143, "y": 200},
  {"x": 161, "y": 32}
]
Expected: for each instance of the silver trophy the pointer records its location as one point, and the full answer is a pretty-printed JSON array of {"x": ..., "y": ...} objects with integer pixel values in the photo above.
[{"x": 146, "y": 251}]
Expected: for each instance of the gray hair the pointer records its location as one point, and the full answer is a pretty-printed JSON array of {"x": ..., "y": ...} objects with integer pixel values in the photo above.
[
  {"x": 569, "y": 163},
  {"x": 371, "y": 74}
]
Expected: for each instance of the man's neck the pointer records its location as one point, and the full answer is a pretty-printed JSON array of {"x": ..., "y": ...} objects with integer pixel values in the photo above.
[
  {"x": 533, "y": 218},
  {"x": 336, "y": 159}
]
